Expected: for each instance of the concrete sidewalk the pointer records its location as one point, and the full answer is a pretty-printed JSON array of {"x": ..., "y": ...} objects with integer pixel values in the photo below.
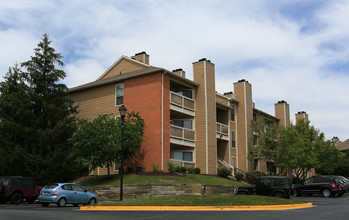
[{"x": 196, "y": 208}]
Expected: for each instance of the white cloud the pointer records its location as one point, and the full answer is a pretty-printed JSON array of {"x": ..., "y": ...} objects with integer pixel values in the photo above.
[
  {"x": 82, "y": 70},
  {"x": 254, "y": 40}
]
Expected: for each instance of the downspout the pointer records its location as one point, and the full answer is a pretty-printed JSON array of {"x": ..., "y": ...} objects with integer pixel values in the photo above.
[{"x": 162, "y": 120}]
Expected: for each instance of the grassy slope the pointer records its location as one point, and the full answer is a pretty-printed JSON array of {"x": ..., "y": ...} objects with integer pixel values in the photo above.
[
  {"x": 211, "y": 200},
  {"x": 134, "y": 179}
]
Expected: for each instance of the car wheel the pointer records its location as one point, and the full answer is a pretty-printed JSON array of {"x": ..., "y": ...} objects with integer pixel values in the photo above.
[
  {"x": 92, "y": 201},
  {"x": 326, "y": 193},
  {"x": 16, "y": 198},
  {"x": 45, "y": 204},
  {"x": 279, "y": 195},
  {"x": 242, "y": 193},
  {"x": 62, "y": 202}
]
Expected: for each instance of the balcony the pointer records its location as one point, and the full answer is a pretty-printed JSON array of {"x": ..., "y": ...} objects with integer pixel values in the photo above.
[
  {"x": 182, "y": 136},
  {"x": 182, "y": 104},
  {"x": 222, "y": 131}
]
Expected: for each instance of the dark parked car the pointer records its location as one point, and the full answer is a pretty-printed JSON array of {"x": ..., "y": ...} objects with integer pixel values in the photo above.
[
  {"x": 17, "y": 188},
  {"x": 66, "y": 193},
  {"x": 277, "y": 186},
  {"x": 325, "y": 185},
  {"x": 345, "y": 180}
]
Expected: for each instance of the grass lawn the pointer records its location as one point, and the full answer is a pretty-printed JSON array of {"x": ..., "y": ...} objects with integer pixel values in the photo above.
[
  {"x": 210, "y": 200},
  {"x": 134, "y": 179}
]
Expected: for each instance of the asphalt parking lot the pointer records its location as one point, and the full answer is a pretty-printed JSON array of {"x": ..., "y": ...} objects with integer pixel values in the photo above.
[{"x": 325, "y": 208}]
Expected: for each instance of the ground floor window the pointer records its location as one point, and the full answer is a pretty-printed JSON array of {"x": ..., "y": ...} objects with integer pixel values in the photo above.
[
  {"x": 185, "y": 156},
  {"x": 233, "y": 162}
]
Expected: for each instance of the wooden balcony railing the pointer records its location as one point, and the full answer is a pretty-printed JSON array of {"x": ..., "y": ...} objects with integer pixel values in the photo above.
[
  {"x": 222, "y": 128},
  {"x": 182, "y": 133},
  {"x": 182, "y": 101}
]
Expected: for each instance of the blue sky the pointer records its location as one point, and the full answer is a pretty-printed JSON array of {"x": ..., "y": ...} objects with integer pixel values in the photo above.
[{"x": 296, "y": 50}]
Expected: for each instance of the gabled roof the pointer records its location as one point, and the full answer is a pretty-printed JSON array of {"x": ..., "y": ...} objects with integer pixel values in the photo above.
[
  {"x": 266, "y": 114},
  {"x": 118, "y": 61},
  {"x": 343, "y": 146},
  {"x": 116, "y": 78},
  {"x": 130, "y": 75}
]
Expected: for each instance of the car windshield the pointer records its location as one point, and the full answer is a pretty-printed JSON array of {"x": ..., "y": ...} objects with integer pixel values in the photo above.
[{"x": 51, "y": 186}]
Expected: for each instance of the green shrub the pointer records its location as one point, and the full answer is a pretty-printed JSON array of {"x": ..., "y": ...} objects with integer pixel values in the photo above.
[
  {"x": 178, "y": 169},
  {"x": 224, "y": 172},
  {"x": 253, "y": 176},
  {"x": 171, "y": 167},
  {"x": 239, "y": 176},
  {"x": 155, "y": 168},
  {"x": 191, "y": 170},
  {"x": 197, "y": 170},
  {"x": 184, "y": 169}
]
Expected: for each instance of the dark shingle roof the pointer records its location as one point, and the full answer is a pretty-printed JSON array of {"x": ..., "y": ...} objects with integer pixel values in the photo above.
[{"x": 129, "y": 75}]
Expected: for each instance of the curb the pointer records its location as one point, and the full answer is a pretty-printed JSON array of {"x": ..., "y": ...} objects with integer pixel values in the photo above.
[{"x": 196, "y": 208}]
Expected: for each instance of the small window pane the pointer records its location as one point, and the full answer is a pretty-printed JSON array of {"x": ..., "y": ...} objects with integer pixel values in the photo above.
[
  {"x": 66, "y": 187},
  {"x": 77, "y": 188},
  {"x": 120, "y": 94},
  {"x": 177, "y": 155},
  {"x": 233, "y": 139},
  {"x": 187, "y": 156}
]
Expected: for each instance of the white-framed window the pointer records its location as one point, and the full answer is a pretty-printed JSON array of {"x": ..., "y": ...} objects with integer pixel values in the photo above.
[
  {"x": 185, "y": 92},
  {"x": 233, "y": 162},
  {"x": 183, "y": 155},
  {"x": 233, "y": 144},
  {"x": 119, "y": 94}
]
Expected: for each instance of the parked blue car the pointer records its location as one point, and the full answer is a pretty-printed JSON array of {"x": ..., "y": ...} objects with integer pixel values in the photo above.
[{"x": 66, "y": 193}]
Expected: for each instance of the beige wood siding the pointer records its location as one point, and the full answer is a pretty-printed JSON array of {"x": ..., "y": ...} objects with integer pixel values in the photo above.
[
  {"x": 124, "y": 66},
  {"x": 206, "y": 144}
]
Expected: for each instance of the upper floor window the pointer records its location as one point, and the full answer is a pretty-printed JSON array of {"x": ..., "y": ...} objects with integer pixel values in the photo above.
[
  {"x": 119, "y": 94},
  {"x": 185, "y": 92},
  {"x": 184, "y": 123},
  {"x": 233, "y": 145},
  {"x": 232, "y": 114}
]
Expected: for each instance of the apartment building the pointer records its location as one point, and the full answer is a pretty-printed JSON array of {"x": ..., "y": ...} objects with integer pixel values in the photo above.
[{"x": 187, "y": 121}]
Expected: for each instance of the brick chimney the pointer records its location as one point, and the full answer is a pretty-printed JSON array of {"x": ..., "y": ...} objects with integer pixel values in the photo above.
[
  {"x": 282, "y": 111},
  {"x": 302, "y": 116},
  {"x": 179, "y": 72},
  {"x": 206, "y": 145},
  {"x": 141, "y": 57},
  {"x": 335, "y": 141},
  {"x": 229, "y": 94}
]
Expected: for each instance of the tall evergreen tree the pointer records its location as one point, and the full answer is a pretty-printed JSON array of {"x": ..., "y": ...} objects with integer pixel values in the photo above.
[
  {"x": 43, "y": 112},
  {"x": 15, "y": 117}
]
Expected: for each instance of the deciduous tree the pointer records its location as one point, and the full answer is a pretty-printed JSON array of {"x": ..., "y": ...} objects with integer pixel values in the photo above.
[{"x": 97, "y": 142}]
